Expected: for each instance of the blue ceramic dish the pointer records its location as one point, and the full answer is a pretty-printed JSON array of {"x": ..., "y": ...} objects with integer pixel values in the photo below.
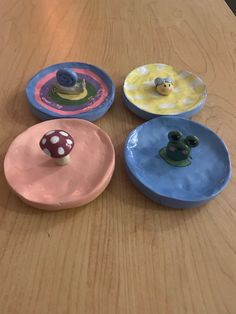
[
  {"x": 46, "y": 104},
  {"x": 177, "y": 187}
]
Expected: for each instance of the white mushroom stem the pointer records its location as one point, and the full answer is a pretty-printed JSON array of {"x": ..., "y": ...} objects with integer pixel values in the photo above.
[{"x": 62, "y": 161}]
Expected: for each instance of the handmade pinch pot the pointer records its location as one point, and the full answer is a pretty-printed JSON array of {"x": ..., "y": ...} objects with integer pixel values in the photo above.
[
  {"x": 156, "y": 89},
  {"x": 176, "y": 186},
  {"x": 70, "y": 90},
  {"x": 33, "y": 174}
]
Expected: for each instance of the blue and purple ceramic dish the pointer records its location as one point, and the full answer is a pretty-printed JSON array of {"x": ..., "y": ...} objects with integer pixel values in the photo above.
[{"x": 46, "y": 102}]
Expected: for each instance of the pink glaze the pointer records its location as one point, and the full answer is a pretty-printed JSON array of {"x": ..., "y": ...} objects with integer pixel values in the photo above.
[
  {"x": 39, "y": 182},
  {"x": 68, "y": 113}
]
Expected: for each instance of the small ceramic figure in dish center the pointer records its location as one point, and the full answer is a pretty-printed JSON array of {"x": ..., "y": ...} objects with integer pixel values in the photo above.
[
  {"x": 178, "y": 150},
  {"x": 57, "y": 144},
  {"x": 68, "y": 84},
  {"x": 164, "y": 86}
]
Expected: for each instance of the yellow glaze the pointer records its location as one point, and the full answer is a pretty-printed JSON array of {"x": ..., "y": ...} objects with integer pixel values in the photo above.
[
  {"x": 73, "y": 97},
  {"x": 139, "y": 88},
  {"x": 165, "y": 89}
]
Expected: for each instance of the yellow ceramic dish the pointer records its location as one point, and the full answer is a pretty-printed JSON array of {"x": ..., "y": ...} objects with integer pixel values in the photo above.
[{"x": 139, "y": 89}]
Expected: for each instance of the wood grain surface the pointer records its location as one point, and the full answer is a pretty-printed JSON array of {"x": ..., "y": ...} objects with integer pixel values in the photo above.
[{"x": 122, "y": 253}]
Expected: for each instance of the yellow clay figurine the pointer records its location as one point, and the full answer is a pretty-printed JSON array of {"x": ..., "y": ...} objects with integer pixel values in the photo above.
[{"x": 164, "y": 86}]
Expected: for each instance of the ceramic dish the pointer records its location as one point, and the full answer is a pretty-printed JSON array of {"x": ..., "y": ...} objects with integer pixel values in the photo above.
[
  {"x": 178, "y": 187},
  {"x": 188, "y": 96},
  {"x": 47, "y": 104},
  {"x": 41, "y": 183}
]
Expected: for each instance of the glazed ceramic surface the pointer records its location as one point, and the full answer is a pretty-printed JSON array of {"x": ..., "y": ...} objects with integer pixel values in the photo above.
[
  {"x": 38, "y": 181},
  {"x": 179, "y": 187},
  {"x": 47, "y": 104},
  {"x": 140, "y": 95}
]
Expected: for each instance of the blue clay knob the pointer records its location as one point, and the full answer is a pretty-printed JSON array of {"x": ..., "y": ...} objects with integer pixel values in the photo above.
[{"x": 66, "y": 77}]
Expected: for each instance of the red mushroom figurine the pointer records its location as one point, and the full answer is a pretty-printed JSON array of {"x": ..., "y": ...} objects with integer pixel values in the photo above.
[{"x": 58, "y": 145}]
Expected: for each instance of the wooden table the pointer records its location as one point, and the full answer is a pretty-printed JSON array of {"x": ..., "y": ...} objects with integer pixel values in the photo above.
[{"x": 122, "y": 253}]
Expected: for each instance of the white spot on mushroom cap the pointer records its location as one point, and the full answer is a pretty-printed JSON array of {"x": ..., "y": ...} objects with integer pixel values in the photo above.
[
  {"x": 68, "y": 141},
  {"x": 44, "y": 140},
  {"x": 63, "y": 133},
  {"x": 47, "y": 152},
  {"x": 50, "y": 132},
  {"x": 61, "y": 151},
  {"x": 54, "y": 139}
]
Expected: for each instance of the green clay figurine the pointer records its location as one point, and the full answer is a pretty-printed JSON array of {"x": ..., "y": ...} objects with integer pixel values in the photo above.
[{"x": 177, "y": 152}]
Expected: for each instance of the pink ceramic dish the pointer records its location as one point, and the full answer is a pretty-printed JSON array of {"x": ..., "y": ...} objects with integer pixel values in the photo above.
[{"x": 39, "y": 182}]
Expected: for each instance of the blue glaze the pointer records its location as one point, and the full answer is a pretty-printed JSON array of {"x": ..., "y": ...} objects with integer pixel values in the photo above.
[
  {"x": 147, "y": 115},
  {"x": 178, "y": 187},
  {"x": 66, "y": 77},
  {"x": 92, "y": 115}
]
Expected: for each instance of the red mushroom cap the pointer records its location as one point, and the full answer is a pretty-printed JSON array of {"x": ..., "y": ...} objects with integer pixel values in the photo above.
[{"x": 57, "y": 143}]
